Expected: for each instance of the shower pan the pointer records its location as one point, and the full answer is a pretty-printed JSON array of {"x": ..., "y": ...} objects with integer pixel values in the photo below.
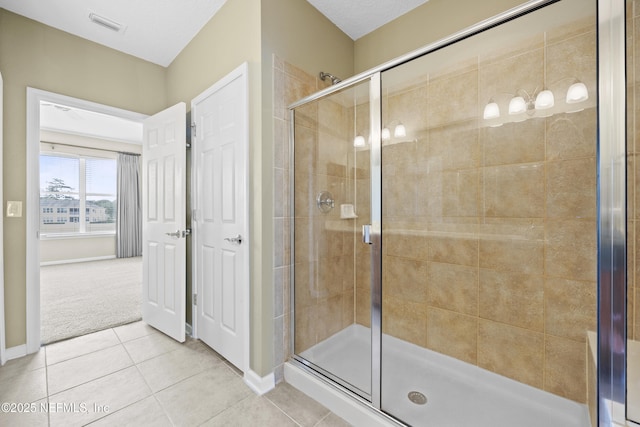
[{"x": 464, "y": 288}]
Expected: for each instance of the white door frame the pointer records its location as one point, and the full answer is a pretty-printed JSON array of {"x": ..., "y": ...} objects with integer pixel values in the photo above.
[
  {"x": 34, "y": 96},
  {"x": 240, "y": 72},
  {"x": 3, "y": 357}
]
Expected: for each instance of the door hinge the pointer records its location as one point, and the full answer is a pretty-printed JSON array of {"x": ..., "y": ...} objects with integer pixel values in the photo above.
[
  {"x": 193, "y": 131},
  {"x": 195, "y": 299}
]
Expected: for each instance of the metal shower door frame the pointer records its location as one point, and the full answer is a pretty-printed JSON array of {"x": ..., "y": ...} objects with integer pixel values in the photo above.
[{"x": 611, "y": 223}]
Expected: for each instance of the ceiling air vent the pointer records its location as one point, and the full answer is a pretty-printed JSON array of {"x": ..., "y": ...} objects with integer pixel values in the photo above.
[{"x": 105, "y": 22}]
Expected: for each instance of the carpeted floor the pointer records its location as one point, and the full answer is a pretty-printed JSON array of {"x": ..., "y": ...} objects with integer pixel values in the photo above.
[{"x": 76, "y": 299}]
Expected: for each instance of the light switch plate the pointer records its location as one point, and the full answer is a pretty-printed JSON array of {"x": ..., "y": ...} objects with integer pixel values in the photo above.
[{"x": 14, "y": 209}]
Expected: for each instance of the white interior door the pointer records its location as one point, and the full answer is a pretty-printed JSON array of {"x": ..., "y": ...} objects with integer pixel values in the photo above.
[
  {"x": 164, "y": 216},
  {"x": 220, "y": 227}
]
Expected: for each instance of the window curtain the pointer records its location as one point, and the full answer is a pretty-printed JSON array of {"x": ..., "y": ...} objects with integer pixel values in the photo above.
[{"x": 129, "y": 220}]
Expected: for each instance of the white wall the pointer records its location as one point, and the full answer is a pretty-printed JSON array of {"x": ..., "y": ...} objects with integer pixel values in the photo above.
[{"x": 58, "y": 250}]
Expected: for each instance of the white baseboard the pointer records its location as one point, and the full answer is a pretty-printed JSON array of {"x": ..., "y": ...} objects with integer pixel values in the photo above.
[
  {"x": 260, "y": 385},
  {"x": 188, "y": 330},
  {"x": 73, "y": 261},
  {"x": 16, "y": 352}
]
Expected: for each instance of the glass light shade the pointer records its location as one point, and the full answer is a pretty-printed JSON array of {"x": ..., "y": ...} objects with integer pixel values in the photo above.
[
  {"x": 517, "y": 105},
  {"x": 577, "y": 92},
  {"x": 400, "y": 131},
  {"x": 359, "y": 141},
  {"x": 491, "y": 111},
  {"x": 385, "y": 134},
  {"x": 544, "y": 100}
]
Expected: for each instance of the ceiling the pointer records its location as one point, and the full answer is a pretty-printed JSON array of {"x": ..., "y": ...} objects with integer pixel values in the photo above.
[
  {"x": 76, "y": 121},
  {"x": 357, "y": 18},
  {"x": 158, "y": 30}
]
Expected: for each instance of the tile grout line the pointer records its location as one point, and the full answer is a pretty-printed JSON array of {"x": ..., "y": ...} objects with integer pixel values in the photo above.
[
  {"x": 46, "y": 379},
  {"x": 283, "y": 411}
]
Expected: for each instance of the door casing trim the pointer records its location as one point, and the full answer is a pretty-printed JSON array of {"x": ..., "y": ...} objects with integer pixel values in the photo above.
[{"x": 34, "y": 97}]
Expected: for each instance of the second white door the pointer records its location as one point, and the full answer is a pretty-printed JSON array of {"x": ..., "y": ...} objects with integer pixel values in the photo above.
[{"x": 220, "y": 216}]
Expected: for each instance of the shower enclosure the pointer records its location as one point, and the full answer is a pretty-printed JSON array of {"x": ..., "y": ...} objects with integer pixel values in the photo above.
[{"x": 449, "y": 226}]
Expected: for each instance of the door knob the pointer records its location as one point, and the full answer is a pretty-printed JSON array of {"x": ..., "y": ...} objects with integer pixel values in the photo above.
[
  {"x": 235, "y": 240},
  {"x": 176, "y": 234}
]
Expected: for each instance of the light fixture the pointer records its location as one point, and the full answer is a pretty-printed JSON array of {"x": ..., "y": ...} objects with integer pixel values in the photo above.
[
  {"x": 400, "y": 131},
  {"x": 385, "y": 134},
  {"x": 517, "y": 105},
  {"x": 359, "y": 141},
  {"x": 491, "y": 110},
  {"x": 105, "y": 22},
  {"x": 577, "y": 92},
  {"x": 544, "y": 100}
]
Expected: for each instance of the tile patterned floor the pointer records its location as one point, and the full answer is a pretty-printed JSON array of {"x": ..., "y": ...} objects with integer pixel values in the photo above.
[{"x": 133, "y": 375}]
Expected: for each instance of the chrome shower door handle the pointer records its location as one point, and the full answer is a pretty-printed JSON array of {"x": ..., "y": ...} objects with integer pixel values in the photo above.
[
  {"x": 235, "y": 240},
  {"x": 366, "y": 234}
]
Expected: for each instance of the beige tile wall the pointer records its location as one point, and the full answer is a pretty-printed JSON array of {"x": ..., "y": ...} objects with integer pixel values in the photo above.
[
  {"x": 289, "y": 85},
  {"x": 490, "y": 233},
  {"x": 324, "y": 259}
]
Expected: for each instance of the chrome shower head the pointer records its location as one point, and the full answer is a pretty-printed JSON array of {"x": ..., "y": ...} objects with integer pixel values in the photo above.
[{"x": 334, "y": 80}]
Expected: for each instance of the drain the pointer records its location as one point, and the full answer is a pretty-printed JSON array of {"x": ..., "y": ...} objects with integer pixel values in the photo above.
[{"x": 417, "y": 397}]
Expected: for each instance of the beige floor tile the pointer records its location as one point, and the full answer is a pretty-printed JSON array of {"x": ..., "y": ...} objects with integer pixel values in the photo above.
[
  {"x": 332, "y": 420},
  {"x": 304, "y": 410},
  {"x": 252, "y": 411},
  {"x": 82, "y": 369},
  {"x": 97, "y": 398},
  {"x": 22, "y": 365},
  {"x": 65, "y": 350},
  {"x": 25, "y": 387},
  {"x": 134, "y": 330},
  {"x": 201, "y": 397},
  {"x": 35, "y": 416},
  {"x": 170, "y": 368},
  {"x": 145, "y": 413},
  {"x": 150, "y": 346}
]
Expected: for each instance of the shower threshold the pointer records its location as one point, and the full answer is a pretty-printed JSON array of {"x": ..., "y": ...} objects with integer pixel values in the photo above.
[{"x": 457, "y": 393}]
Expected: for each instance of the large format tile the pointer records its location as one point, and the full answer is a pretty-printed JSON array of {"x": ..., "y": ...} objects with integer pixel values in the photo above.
[
  {"x": 565, "y": 368},
  {"x": 453, "y": 334},
  {"x": 98, "y": 398},
  {"x": 25, "y": 387},
  {"x": 150, "y": 346},
  {"x": 36, "y": 416},
  {"x": 134, "y": 330},
  {"x": 201, "y": 397},
  {"x": 510, "y": 351},
  {"x": 145, "y": 413},
  {"x": 453, "y": 287},
  {"x": 252, "y": 411},
  {"x": 170, "y": 368},
  {"x": 406, "y": 320},
  {"x": 79, "y": 346},
  {"x": 80, "y": 370},
  {"x": 21, "y": 365},
  {"x": 304, "y": 410},
  {"x": 332, "y": 420}
]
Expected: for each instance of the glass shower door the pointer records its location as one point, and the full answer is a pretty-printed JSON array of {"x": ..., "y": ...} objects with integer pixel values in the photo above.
[
  {"x": 331, "y": 190},
  {"x": 488, "y": 184}
]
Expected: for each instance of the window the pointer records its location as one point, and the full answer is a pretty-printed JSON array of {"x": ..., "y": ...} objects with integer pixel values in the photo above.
[{"x": 71, "y": 183}]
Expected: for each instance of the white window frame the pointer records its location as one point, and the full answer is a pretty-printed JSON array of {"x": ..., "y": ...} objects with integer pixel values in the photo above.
[{"x": 86, "y": 153}]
